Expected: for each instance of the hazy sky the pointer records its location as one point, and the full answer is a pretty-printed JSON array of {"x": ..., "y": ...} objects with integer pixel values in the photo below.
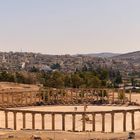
[{"x": 70, "y": 26}]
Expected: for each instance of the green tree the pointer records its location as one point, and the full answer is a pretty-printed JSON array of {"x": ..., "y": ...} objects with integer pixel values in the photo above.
[
  {"x": 118, "y": 79},
  {"x": 55, "y": 80},
  {"x": 67, "y": 80},
  {"x": 19, "y": 78},
  {"x": 77, "y": 81},
  {"x": 5, "y": 76},
  {"x": 56, "y": 66}
]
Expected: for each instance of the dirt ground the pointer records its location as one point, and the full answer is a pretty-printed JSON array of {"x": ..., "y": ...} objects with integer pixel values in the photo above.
[
  {"x": 45, "y": 135},
  {"x": 8, "y": 86}
]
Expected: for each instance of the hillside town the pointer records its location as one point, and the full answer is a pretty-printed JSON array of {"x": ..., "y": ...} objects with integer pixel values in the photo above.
[
  {"x": 127, "y": 64},
  {"x": 67, "y": 63}
]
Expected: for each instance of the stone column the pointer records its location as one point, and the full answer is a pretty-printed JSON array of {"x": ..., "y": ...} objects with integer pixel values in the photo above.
[
  {"x": 133, "y": 120},
  {"x": 85, "y": 107},
  {"x": 57, "y": 97},
  {"x": 93, "y": 93},
  {"x": 82, "y": 95},
  {"x": 112, "y": 122},
  {"x": 34, "y": 96},
  {"x": 103, "y": 122},
  {"x": 73, "y": 122},
  {"x": 15, "y": 120},
  {"x": 33, "y": 121},
  {"x": 53, "y": 96},
  {"x": 3, "y": 97},
  {"x": 71, "y": 96},
  {"x": 84, "y": 121},
  {"x": 67, "y": 96},
  {"x": 6, "y": 119},
  {"x": 21, "y": 99},
  {"x": 53, "y": 121},
  {"x": 26, "y": 98},
  {"x": 0, "y": 98},
  {"x": 86, "y": 96},
  {"x": 93, "y": 122},
  {"x": 24, "y": 120},
  {"x": 44, "y": 97},
  {"x": 7, "y": 98},
  {"x": 124, "y": 95},
  {"x": 63, "y": 122},
  {"x": 124, "y": 121},
  {"x": 48, "y": 93},
  {"x": 97, "y": 96},
  {"x": 43, "y": 121},
  {"x": 12, "y": 98},
  {"x": 113, "y": 96},
  {"x": 102, "y": 91},
  {"x": 31, "y": 98},
  {"x": 108, "y": 92},
  {"x": 119, "y": 90},
  {"x": 76, "y": 96},
  {"x": 41, "y": 96},
  {"x": 130, "y": 93}
]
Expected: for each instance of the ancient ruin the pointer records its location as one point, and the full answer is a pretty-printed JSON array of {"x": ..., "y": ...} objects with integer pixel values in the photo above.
[{"x": 10, "y": 100}]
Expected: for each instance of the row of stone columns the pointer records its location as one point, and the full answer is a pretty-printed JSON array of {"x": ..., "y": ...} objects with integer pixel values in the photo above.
[
  {"x": 75, "y": 94},
  {"x": 83, "y": 114},
  {"x": 26, "y": 98},
  {"x": 20, "y": 98}
]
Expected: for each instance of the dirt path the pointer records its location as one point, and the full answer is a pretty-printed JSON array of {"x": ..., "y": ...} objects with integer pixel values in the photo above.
[{"x": 26, "y": 135}]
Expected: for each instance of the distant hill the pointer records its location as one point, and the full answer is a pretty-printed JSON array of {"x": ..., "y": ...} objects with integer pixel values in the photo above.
[
  {"x": 132, "y": 55},
  {"x": 102, "y": 55}
]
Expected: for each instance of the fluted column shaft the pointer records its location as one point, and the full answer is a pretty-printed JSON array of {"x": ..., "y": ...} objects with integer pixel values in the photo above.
[
  {"x": 2, "y": 97},
  {"x": 93, "y": 122},
  {"x": 15, "y": 120},
  {"x": 63, "y": 122},
  {"x": 73, "y": 122},
  {"x": 24, "y": 120},
  {"x": 6, "y": 119},
  {"x": 53, "y": 121},
  {"x": 112, "y": 122},
  {"x": 124, "y": 121},
  {"x": 133, "y": 121},
  {"x": 84, "y": 121},
  {"x": 33, "y": 121},
  {"x": 130, "y": 93},
  {"x": 113, "y": 97},
  {"x": 43, "y": 121},
  {"x": 103, "y": 122}
]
